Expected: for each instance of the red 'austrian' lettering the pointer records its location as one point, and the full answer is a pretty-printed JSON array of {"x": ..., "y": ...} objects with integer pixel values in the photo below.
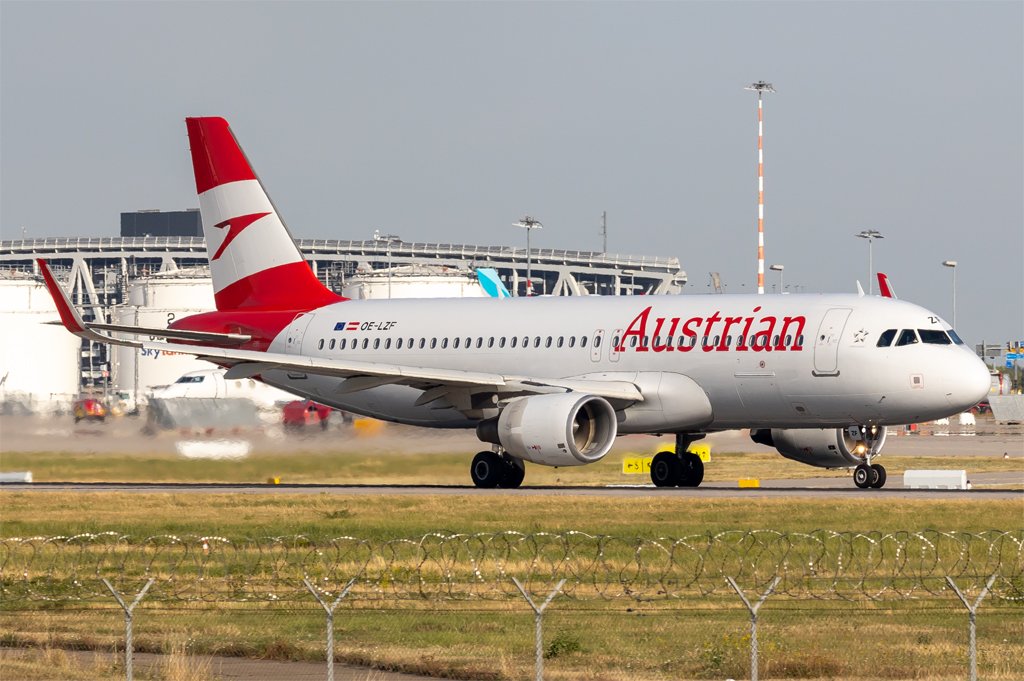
[{"x": 757, "y": 333}]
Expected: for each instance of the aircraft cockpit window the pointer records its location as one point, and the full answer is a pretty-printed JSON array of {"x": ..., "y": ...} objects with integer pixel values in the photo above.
[
  {"x": 933, "y": 336},
  {"x": 956, "y": 338},
  {"x": 885, "y": 340},
  {"x": 907, "y": 337},
  {"x": 190, "y": 379}
]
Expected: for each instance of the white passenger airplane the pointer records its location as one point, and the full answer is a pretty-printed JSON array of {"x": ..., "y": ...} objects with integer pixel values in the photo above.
[{"x": 554, "y": 380}]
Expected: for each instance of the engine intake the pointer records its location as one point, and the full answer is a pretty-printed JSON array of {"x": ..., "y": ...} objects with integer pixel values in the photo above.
[
  {"x": 567, "y": 429},
  {"x": 824, "y": 447}
]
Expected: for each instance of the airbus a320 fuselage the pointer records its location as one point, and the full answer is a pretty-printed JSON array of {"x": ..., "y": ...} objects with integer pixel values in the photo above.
[{"x": 554, "y": 380}]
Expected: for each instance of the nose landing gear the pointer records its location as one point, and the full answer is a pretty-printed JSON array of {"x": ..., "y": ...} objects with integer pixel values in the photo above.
[
  {"x": 865, "y": 476},
  {"x": 870, "y": 474}
]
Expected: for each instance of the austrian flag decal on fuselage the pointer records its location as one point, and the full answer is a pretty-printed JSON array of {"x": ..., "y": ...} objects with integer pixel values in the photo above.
[{"x": 759, "y": 334}]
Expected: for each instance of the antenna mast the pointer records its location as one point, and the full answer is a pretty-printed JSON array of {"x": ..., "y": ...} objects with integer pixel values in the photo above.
[{"x": 760, "y": 87}]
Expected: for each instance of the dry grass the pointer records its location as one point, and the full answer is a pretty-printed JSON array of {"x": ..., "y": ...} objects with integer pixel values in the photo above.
[
  {"x": 397, "y": 515},
  {"x": 798, "y": 641},
  {"x": 401, "y": 467}
]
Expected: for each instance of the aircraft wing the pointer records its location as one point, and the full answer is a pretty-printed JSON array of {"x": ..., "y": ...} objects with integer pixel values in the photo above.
[{"x": 361, "y": 375}]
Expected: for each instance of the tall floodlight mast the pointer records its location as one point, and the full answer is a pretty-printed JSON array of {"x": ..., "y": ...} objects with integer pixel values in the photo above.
[
  {"x": 529, "y": 224},
  {"x": 760, "y": 87}
]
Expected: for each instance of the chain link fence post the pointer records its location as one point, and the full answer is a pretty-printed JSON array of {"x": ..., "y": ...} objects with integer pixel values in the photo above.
[
  {"x": 972, "y": 617},
  {"x": 329, "y": 609},
  {"x": 129, "y": 644},
  {"x": 538, "y": 613},
  {"x": 753, "y": 618}
]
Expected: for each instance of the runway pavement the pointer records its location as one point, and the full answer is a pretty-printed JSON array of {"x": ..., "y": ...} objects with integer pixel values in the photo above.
[{"x": 804, "y": 488}]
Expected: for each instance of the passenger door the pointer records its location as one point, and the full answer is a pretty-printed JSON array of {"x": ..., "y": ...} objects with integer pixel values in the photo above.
[{"x": 826, "y": 342}]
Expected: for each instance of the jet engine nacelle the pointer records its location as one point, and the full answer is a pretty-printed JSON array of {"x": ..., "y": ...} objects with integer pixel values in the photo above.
[
  {"x": 567, "y": 429},
  {"x": 824, "y": 447}
]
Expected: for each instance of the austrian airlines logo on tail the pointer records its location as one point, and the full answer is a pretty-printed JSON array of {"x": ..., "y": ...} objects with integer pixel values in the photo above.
[
  {"x": 253, "y": 259},
  {"x": 235, "y": 227}
]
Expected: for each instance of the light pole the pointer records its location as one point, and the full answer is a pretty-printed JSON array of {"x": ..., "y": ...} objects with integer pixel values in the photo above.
[
  {"x": 952, "y": 265},
  {"x": 529, "y": 224},
  {"x": 779, "y": 269},
  {"x": 870, "y": 235},
  {"x": 388, "y": 240}
]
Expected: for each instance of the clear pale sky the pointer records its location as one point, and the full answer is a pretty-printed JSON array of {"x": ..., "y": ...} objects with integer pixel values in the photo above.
[{"x": 448, "y": 121}]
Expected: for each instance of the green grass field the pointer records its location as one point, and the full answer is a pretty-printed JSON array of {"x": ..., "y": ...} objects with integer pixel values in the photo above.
[{"x": 700, "y": 638}]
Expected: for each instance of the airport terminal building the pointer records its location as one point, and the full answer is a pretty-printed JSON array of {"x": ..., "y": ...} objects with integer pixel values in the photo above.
[{"x": 157, "y": 271}]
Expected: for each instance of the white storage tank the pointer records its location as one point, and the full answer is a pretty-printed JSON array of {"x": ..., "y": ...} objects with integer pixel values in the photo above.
[
  {"x": 413, "y": 281},
  {"x": 156, "y": 301},
  {"x": 39, "y": 362}
]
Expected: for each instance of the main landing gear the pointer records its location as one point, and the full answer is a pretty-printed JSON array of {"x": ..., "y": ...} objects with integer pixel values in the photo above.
[
  {"x": 679, "y": 468},
  {"x": 491, "y": 469}
]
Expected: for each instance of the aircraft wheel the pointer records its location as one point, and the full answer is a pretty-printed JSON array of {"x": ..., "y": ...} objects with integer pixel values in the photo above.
[
  {"x": 512, "y": 473},
  {"x": 691, "y": 470},
  {"x": 486, "y": 470},
  {"x": 665, "y": 469},
  {"x": 862, "y": 476},
  {"x": 878, "y": 476}
]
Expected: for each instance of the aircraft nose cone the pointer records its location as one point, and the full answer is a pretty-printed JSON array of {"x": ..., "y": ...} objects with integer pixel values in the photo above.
[{"x": 972, "y": 384}]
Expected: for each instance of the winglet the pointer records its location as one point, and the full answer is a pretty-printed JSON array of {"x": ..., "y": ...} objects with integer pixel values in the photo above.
[
  {"x": 884, "y": 286},
  {"x": 69, "y": 316},
  {"x": 860, "y": 289}
]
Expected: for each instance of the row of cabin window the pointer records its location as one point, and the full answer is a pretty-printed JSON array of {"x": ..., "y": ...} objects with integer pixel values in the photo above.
[
  {"x": 560, "y": 341},
  {"x": 707, "y": 341},
  {"x": 910, "y": 337},
  {"x": 443, "y": 343}
]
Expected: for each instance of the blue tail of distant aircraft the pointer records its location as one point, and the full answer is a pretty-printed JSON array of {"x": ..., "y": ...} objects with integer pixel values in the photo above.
[{"x": 491, "y": 283}]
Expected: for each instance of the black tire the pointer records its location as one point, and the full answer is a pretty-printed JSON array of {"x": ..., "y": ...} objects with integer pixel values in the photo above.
[
  {"x": 486, "y": 470},
  {"x": 691, "y": 470},
  {"x": 665, "y": 469},
  {"x": 878, "y": 479},
  {"x": 862, "y": 476},
  {"x": 512, "y": 474}
]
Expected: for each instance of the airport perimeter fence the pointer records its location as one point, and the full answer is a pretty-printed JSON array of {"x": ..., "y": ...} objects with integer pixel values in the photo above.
[{"x": 574, "y": 569}]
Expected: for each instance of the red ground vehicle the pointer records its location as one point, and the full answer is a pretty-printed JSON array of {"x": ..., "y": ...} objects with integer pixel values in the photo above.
[
  {"x": 89, "y": 408},
  {"x": 301, "y": 413}
]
